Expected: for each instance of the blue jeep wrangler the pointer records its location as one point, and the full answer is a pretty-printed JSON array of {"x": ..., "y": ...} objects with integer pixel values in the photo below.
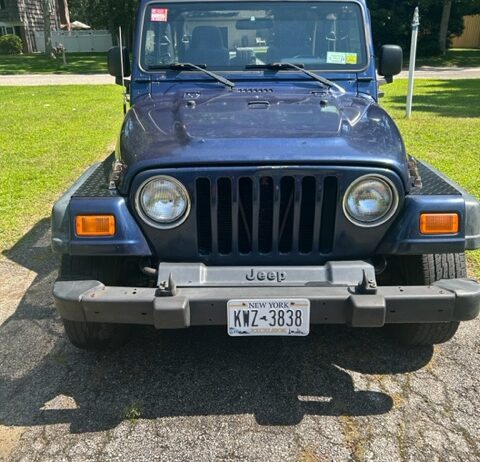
[{"x": 257, "y": 184}]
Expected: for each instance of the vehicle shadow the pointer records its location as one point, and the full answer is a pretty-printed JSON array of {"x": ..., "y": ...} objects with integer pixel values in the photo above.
[
  {"x": 196, "y": 372},
  {"x": 444, "y": 98}
]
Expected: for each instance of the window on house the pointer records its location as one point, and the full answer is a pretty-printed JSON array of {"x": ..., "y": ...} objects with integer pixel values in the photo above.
[{"x": 2, "y": 4}]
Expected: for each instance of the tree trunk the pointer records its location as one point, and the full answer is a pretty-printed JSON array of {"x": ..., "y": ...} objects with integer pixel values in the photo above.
[
  {"x": 47, "y": 27},
  {"x": 442, "y": 35},
  {"x": 64, "y": 13}
]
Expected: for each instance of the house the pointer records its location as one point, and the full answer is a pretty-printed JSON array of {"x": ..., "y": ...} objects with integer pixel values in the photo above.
[{"x": 25, "y": 17}]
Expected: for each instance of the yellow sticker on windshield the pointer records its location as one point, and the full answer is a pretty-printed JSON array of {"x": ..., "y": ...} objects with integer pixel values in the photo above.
[{"x": 351, "y": 58}]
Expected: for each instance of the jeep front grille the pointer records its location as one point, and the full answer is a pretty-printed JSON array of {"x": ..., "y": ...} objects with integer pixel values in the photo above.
[{"x": 266, "y": 214}]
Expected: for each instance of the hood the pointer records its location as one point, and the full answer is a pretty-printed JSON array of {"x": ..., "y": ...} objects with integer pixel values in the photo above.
[{"x": 258, "y": 126}]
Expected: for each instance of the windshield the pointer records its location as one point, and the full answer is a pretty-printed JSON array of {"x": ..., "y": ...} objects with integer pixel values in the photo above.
[{"x": 232, "y": 35}]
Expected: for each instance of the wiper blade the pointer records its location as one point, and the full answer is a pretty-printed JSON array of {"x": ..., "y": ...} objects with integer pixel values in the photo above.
[
  {"x": 191, "y": 67},
  {"x": 298, "y": 67}
]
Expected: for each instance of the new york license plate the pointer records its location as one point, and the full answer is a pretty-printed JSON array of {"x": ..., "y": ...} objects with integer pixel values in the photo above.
[{"x": 278, "y": 316}]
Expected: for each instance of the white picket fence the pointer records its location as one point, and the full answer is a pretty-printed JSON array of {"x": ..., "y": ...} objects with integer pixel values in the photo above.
[{"x": 78, "y": 41}]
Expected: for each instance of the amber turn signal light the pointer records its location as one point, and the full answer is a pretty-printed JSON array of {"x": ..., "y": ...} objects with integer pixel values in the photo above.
[
  {"x": 439, "y": 223},
  {"x": 95, "y": 225}
]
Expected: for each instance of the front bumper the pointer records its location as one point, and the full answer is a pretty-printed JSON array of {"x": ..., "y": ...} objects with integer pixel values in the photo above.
[{"x": 200, "y": 297}]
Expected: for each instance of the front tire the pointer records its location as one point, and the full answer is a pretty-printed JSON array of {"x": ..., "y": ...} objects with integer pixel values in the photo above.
[
  {"x": 424, "y": 270},
  {"x": 93, "y": 335},
  {"x": 96, "y": 336}
]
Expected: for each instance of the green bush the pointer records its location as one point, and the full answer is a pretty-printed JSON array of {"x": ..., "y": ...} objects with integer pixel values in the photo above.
[{"x": 10, "y": 45}]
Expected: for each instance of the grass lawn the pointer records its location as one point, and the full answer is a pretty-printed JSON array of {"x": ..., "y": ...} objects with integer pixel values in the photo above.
[
  {"x": 456, "y": 57},
  {"x": 444, "y": 130},
  {"x": 49, "y": 135},
  {"x": 78, "y": 63}
]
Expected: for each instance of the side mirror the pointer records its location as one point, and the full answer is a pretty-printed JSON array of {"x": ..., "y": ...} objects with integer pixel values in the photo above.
[
  {"x": 115, "y": 63},
  {"x": 390, "y": 61}
]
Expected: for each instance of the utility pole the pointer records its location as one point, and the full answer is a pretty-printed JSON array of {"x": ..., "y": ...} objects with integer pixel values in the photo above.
[
  {"x": 413, "y": 57},
  {"x": 47, "y": 11}
]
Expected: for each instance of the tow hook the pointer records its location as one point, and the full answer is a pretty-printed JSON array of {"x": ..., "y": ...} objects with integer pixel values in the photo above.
[
  {"x": 167, "y": 288},
  {"x": 366, "y": 286}
]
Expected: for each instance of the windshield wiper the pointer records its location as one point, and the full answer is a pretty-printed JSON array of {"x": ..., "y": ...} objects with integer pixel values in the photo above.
[
  {"x": 298, "y": 67},
  {"x": 191, "y": 67}
]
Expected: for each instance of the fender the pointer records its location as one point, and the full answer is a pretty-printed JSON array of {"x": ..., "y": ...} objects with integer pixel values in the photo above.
[
  {"x": 439, "y": 194},
  {"x": 83, "y": 199}
]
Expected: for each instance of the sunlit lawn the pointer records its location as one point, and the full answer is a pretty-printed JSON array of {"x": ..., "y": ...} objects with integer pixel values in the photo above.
[
  {"x": 77, "y": 63},
  {"x": 49, "y": 135}
]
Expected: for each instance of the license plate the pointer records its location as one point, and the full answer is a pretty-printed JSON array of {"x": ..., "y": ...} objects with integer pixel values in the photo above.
[{"x": 278, "y": 316}]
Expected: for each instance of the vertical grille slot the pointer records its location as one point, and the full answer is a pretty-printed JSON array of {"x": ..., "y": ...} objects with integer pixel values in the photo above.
[
  {"x": 276, "y": 215},
  {"x": 224, "y": 215},
  {"x": 204, "y": 224},
  {"x": 287, "y": 200},
  {"x": 265, "y": 219},
  {"x": 307, "y": 215},
  {"x": 245, "y": 215},
  {"x": 329, "y": 213}
]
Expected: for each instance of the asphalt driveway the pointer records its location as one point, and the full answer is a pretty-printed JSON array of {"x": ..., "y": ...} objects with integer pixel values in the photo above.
[{"x": 198, "y": 395}]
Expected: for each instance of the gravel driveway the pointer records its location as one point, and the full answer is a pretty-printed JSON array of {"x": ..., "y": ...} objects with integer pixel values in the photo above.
[{"x": 198, "y": 395}]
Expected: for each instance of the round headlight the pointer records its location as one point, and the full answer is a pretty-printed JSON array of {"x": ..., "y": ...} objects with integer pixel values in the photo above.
[
  {"x": 163, "y": 202},
  {"x": 370, "y": 201}
]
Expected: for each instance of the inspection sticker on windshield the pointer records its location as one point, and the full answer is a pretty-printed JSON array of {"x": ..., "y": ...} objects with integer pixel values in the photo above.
[
  {"x": 159, "y": 15},
  {"x": 265, "y": 317},
  {"x": 334, "y": 57}
]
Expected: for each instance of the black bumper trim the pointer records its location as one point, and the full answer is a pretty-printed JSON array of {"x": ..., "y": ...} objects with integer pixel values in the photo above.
[{"x": 443, "y": 301}]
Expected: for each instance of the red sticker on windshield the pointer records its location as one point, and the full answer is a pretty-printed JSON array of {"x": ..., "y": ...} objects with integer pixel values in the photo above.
[{"x": 159, "y": 14}]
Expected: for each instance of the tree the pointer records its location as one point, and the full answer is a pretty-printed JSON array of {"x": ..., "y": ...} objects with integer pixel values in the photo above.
[
  {"x": 392, "y": 20},
  {"x": 64, "y": 13},
  {"x": 47, "y": 27},
  {"x": 107, "y": 14},
  {"x": 442, "y": 35}
]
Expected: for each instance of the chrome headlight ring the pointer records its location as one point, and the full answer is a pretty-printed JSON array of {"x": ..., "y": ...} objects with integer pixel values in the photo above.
[
  {"x": 149, "y": 218},
  {"x": 387, "y": 215}
]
